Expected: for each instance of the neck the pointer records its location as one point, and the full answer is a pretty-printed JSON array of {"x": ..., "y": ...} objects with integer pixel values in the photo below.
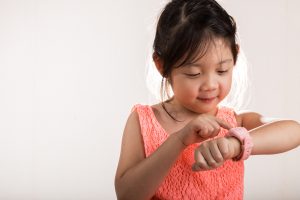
[
  {"x": 181, "y": 113},
  {"x": 177, "y": 111}
]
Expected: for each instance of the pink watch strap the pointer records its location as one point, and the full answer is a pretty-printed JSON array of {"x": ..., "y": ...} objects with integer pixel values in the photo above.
[{"x": 246, "y": 142}]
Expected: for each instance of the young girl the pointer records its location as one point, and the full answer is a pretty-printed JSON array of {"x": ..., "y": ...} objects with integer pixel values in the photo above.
[{"x": 189, "y": 147}]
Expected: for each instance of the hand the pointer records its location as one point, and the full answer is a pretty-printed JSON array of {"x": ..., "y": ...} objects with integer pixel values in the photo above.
[
  {"x": 212, "y": 154},
  {"x": 201, "y": 128}
]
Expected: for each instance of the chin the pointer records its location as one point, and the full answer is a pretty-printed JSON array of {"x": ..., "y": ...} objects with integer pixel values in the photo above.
[{"x": 201, "y": 109}]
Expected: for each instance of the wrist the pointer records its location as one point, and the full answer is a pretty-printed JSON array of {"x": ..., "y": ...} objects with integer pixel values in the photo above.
[
  {"x": 237, "y": 146},
  {"x": 179, "y": 139},
  {"x": 243, "y": 136}
]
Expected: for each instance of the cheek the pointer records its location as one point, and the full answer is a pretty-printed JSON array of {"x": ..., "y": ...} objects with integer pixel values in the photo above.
[
  {"x": 185, "y": 87},
  {"x": 226, "y": 85}
]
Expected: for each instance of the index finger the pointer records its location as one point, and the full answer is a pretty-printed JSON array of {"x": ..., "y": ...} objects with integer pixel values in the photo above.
[{"x": 223, "y": 124}]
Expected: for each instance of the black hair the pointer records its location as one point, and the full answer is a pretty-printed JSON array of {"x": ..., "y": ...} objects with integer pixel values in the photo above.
[{"x": 186, "y": 28}]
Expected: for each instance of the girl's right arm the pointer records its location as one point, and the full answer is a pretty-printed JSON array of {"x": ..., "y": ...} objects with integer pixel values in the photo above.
[{"x": 138, "y": 177}]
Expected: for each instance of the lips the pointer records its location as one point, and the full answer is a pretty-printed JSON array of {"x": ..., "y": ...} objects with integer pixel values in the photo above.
[{"x": 206, "y": 99}]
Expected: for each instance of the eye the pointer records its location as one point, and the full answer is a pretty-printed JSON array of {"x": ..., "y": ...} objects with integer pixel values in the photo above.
[
  {"x": 222, "y": 72},
  {"x": 192, "y": 75}
]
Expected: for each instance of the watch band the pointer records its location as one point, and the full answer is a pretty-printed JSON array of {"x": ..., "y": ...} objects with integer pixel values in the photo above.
[{"x": 244, "y": 137}]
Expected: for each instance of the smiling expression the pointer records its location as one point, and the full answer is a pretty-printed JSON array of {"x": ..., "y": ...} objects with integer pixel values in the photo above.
[{"x": 201, "y": 85}]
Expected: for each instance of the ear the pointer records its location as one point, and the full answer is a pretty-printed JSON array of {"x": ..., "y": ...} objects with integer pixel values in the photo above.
[
  {"x": 158, "y": 63},
  {"x": 237, "y": 48}
]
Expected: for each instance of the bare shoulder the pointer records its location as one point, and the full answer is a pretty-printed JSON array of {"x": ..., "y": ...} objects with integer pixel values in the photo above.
[
  {"x": 250, "y": 120},
  {"x": 158, "y": 111},
  {"x": 132, "y": 149}
]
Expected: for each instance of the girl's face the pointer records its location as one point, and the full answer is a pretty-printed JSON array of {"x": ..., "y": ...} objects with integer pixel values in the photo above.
[{"x": 200, "y": 86}]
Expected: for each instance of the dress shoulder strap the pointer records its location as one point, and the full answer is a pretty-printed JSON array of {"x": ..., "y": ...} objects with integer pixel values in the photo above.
[{"x": 152, "y": 132}]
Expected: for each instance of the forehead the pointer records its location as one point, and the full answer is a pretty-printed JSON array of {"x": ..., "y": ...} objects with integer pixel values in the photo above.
[{"x": 216, "y": 51}]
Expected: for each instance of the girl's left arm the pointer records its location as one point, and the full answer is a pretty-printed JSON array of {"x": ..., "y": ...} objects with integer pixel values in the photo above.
[{"x": 270, "y": 137}]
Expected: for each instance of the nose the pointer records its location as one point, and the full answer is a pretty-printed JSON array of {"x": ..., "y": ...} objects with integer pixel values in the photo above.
[{"x": 209, "y": 83}]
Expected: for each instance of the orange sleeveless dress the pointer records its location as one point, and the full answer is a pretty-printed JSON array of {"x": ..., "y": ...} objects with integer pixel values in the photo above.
[{"x": 224, "y": 183}]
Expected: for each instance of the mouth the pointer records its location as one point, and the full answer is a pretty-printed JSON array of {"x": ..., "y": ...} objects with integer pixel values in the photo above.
[{"x": 207, "y": 99}]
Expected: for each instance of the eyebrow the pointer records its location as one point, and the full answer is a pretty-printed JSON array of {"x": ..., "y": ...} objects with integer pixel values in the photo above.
[
  {"x": 225, "y": 61},
  {"x": 199, "y": 65}
]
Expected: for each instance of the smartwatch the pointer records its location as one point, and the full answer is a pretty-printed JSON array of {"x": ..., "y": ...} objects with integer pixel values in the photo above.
[{"x": 245, "y": 139}]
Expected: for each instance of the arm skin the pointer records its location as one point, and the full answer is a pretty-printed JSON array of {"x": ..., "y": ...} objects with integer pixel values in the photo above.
[
  {"x": 268, "y": 138},
  {"x": 137, "y": 177},
  {"x": 273, "y": 137}
]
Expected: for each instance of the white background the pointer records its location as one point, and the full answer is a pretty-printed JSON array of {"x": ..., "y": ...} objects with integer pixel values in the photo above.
[{"x": 70, "y": 71}]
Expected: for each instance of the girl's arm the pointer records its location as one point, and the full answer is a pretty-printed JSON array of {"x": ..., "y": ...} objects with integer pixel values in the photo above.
[
  {"x": 273, "y": 137},
  {"x": 268, "y": 138},
  {"x": 136, "y": 176}
]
